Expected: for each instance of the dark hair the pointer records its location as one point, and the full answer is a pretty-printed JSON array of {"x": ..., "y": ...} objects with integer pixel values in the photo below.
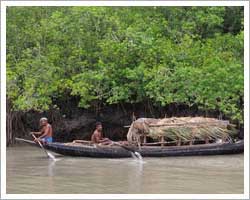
[{"x": 98, "y": 124}]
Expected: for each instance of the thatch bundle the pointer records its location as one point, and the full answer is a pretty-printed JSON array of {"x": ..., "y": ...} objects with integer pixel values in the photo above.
[{"x": 184, "y": 128}]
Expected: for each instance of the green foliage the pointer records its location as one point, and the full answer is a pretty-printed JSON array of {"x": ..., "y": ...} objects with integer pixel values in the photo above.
[{"x": 191, "y": 55}]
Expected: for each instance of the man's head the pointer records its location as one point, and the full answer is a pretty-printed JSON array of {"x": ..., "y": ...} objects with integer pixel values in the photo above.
[
  {"x": 98, "y": 126},
  {"x": 43, "y": 121}
]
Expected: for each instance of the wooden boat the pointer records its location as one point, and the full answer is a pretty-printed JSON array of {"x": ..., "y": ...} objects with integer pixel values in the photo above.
[{"x": 102, "y": 151}]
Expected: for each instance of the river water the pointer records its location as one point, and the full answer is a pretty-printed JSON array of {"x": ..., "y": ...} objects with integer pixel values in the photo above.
[{"x": 30, "y": 172}]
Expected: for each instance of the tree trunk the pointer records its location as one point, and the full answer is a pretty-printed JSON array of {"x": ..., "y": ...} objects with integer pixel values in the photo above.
[
  {"x": 9, "y": 130},
  {"x": 14, "y": 124}
]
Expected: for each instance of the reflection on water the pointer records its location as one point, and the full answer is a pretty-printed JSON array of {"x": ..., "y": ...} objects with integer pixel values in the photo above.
[
  {"x": 51, "y": 167},
  {"x": 29, "y": 171}
]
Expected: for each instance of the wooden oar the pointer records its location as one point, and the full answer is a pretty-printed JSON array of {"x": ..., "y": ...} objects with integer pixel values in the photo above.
[{"x": 47, "y": 153}]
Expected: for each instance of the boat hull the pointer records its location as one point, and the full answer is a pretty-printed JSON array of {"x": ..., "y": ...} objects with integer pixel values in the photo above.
[
  {"x": 119, "y": 152},
  {"x": 71, "y": 149}
]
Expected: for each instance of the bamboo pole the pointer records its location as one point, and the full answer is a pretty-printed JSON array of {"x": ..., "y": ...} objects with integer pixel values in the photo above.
[
  {"x": 162, "y": 140},
  {"x": 224, "y": 123},
  {"x": 172, "y": 142}
]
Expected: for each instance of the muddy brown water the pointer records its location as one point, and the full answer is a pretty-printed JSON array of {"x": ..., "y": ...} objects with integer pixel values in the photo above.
[{"x": 30, "y": 172}]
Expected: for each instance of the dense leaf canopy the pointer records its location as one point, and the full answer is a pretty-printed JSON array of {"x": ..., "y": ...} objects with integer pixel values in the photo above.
[{"x": 190, "y": 55}]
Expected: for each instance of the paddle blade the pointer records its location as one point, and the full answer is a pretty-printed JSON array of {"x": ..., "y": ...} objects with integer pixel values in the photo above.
[
  {"x": 138, "y": 155},
  {"x": 51, "y": 156}
]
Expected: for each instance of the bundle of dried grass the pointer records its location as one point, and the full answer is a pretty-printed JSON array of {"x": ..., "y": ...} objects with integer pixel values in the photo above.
[{"x": 184, "y": 128}]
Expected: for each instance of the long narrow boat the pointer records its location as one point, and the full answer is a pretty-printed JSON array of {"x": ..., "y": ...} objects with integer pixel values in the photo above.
[{"x": 97, "y": 151}]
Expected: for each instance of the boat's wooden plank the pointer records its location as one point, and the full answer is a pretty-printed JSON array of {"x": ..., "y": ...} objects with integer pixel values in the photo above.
[{"x": 83, "y": 141}]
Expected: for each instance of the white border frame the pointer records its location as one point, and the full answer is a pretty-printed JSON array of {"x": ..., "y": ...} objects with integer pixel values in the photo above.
[{"x": 124, "y": 3}]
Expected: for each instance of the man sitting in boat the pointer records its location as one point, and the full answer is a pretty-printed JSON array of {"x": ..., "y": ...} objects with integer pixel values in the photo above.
[
  {"x": 46, "y": 131},
  {"x": 97, "y": 137}
]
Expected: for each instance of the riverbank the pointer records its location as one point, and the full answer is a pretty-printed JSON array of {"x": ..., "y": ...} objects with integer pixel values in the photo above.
[{"x": 71, "y": 122}]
